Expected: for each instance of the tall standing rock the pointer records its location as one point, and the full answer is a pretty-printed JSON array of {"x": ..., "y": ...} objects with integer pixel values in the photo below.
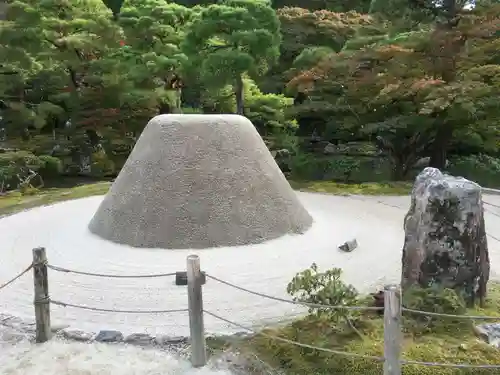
[
  {"x": 445, "y": 237},
  {"x": 199, "y": 181}
]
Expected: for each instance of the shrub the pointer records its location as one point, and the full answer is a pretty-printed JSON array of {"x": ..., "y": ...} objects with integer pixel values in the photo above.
[
  {"x": 309, "y": 166},
  {"x": 483, "y": 169},
  {"x": 324, "y": 288},
  {"x": 434, "y": 300},
  {"x": 15, "y": 167},
  {"x": 101, "y": 165},
  {"x": 51, "y": 166}
]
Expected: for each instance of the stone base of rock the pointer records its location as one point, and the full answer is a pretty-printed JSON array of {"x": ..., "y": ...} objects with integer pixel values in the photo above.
[{"x": 445, "y": 238}]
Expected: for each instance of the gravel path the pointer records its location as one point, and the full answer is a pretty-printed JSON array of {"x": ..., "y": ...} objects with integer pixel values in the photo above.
[
  {"x": 58, "y": 357},
  {"x": 376, "y": 222}
]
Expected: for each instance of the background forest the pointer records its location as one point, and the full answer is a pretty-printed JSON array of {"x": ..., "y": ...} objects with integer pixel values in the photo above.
[{"x": 348, "y": 91}]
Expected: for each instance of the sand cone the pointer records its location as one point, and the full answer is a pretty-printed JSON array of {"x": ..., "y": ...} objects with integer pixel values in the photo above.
[{"x": 199, "y": 181}]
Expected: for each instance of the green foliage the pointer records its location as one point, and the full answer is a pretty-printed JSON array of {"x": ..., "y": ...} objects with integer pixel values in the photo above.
[
  {"x": 230, "y": 39},
  {"x": 308, "y": 166},
  {"x": 382, "y": 77},
  {"x": 324, "y": 288},
  {"x": 16, "y": 168},
  {"x": 310, "y": 56},
  {"x": 434, "y": 300},
  {"x": 483, "y": 169},
  {"x": 114, "y": 6},
  {"x": 268, "y": 112},
  {"x": 101, "y": 165},
  {"x": 51, "y": 166}
]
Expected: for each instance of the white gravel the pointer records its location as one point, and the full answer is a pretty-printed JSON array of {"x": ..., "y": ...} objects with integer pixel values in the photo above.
[
  {"x": 376, "y": 222},
  {"x": 266, "y": 267},
  {"x": 63, "y": 358}
]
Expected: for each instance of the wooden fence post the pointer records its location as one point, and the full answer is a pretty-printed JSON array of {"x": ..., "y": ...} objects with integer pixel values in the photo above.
[
  {"x": 195, "y": 304},
  {"x": 392, "y": 330},
  {"x": 41, "y": 301}
]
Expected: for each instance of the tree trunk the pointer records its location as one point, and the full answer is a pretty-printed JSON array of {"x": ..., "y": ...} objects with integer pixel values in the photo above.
[
  {"x": 440, "y": 146},
  {"x": 398, "y": 170},
  {"x": 238, "y": 93}
]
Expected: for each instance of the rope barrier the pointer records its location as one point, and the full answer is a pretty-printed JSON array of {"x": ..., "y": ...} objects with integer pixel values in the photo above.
[
  {"x": 492, "y": 236},
  {"x": 16, "y": 277},
  {"x": 66, "y": 304},
  {"x": 66, "y": 270},
  {"x": 450, "y": 365},
  {"x": 401, "y": 208},
  {"x": 308, "y": 304},
  {"x": 348, "y": 354},
  {"x": 472, "y": 317},
  {"x": 272, "y": 337},
  {"x": 491, "y": 204},
  {"x": 491, "y": 212},
  {"x": 337, "y": 352}
]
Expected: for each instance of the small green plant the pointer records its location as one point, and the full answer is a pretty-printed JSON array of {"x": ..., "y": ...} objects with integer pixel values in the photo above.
[{"x": 325, "y": 288}]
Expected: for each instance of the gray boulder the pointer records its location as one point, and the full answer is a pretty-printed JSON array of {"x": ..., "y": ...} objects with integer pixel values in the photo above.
[
  {"x": 445, "y": 238},
  {"x": 489, "y": 332}
]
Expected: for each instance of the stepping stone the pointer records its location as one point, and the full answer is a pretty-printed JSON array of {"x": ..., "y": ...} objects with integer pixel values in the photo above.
[
  {"x": 76, "y": 334},
  {"x": 109, "y": 336},
  {"x": 139, "y": 339}
]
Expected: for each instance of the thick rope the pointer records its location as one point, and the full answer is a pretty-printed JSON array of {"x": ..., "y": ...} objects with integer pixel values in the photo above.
[
  {"x": 313, "y": 305},
  {"x": 472, "y": 317},
  {"x": 347, "y": 354},
  {"x": 66, "y": 304},
  {"x": 450, "y": 365},
  {"x": 4, "y": 285},
  {"x": 66, "y": 270}
]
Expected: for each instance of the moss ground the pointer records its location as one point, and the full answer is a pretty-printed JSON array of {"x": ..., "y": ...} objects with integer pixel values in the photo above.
[
  {"x": 368, "y": 188},
  {"x": 452, "y": 342},
  {"x": 14, "y": 201}
]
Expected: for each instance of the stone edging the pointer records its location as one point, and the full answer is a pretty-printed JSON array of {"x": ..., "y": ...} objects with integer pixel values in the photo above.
[{"x": 105, "y": 336}]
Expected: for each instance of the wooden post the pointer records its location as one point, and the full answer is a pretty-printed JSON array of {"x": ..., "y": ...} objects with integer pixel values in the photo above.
[
  {"x": 392, "y": 330},
  {"x": 195, "y": 304},
  {"x": 41, "y": 301}
]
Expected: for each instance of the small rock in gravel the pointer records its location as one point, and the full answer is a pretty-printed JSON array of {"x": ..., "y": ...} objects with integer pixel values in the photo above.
[
  {"x": 55, "y": 328},
  {"x": 349, "y": 246},
  {"x": 139, "y": 339},
  {"x": 76, "y": 334},
  {"x": 165, "y": 340},
  {"x": 12, "y": 336},
  {"x": 109, "y": 336}
]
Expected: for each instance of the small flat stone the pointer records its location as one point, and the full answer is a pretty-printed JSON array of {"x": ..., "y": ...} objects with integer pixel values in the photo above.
[
  {"x": 109, "y": 336},
  {"x": 139, "y": 339},
  {"x": 54, "y": 328},
  {"x": 165, "y": 340},
  {"x": 349, "y": 246},
  {"x": 76, "y": 334}
]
